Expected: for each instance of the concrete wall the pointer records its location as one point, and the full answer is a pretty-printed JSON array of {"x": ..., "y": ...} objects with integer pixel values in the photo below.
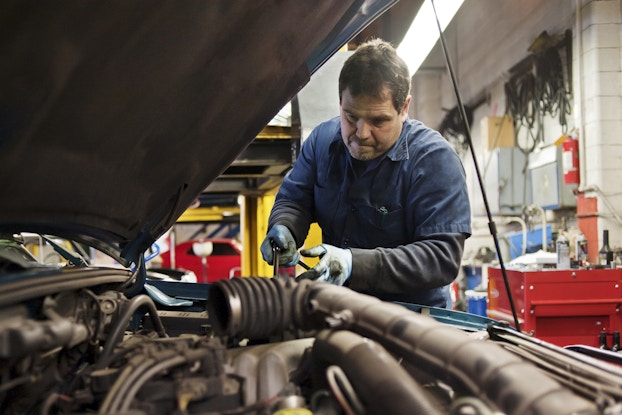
[{"x": 599, "y": 110}]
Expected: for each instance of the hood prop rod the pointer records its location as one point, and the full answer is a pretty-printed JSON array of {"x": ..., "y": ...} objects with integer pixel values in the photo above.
[{"x": 467, "y": 132}]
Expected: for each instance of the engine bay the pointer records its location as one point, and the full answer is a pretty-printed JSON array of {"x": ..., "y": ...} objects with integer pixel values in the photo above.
[{"x": 273, "y": 345}]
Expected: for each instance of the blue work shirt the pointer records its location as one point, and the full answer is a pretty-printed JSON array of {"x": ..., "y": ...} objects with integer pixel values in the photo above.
[{"x": 404, "y": 215}]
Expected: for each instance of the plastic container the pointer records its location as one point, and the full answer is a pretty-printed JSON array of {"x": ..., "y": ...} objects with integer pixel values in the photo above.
[
  {"x": 563, "y": 252},
  {"x": 581, "y": 250},
  {"x": 476, "y": 302}
]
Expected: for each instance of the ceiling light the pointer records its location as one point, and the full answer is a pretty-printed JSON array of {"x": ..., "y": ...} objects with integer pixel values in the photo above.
[{"x": 423, "y": 32}]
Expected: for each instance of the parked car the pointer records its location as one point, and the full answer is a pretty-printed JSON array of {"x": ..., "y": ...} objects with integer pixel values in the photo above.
[
  {"x": 223, "y": 262},
  {"x": 114, "y": 116}
]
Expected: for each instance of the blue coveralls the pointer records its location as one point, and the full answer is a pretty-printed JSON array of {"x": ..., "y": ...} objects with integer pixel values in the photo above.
[{"x": 404, "y": 215}]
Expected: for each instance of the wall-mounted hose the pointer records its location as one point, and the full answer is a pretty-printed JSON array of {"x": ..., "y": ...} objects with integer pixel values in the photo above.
[{"x": 248, "y": 307}]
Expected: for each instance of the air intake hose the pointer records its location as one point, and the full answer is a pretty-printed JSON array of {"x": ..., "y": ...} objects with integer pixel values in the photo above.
[{"x": 257, "y": 307}]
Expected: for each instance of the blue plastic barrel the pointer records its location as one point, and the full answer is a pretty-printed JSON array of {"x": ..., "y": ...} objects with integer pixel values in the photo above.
[{"x": 476, "y": 302}]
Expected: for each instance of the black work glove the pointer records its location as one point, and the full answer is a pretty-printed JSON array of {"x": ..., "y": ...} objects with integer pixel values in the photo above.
[{"x": 281, "y": 237}]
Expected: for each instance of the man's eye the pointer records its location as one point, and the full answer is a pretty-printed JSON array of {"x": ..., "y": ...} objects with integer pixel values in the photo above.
[{"x": 350, "y": 117}]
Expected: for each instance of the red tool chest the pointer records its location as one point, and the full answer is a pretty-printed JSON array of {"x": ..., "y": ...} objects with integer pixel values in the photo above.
[{"x": 562, "y": 307}]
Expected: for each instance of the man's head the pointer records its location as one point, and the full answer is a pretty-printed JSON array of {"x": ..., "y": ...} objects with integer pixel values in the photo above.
[{"x": 374, "y": 87}]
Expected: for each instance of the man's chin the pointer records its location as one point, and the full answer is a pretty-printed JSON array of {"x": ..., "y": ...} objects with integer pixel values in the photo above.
[{"x": 362, "y": 155}]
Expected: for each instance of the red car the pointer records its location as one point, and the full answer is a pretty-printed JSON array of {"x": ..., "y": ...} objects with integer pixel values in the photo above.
[{"x": 222, "y": 263}]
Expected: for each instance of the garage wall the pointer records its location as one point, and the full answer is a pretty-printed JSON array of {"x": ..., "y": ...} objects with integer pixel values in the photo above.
[
  {"x": 599, "y": 110},
  {"x": 486, "y": 39}
]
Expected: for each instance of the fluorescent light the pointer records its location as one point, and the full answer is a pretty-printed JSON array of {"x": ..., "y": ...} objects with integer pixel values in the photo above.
[{"x": 423, "y": 32}]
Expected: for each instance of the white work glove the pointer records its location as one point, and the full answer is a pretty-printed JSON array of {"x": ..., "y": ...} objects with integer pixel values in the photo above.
[
  {"x": 334, "y": 267},
  {"x": 281, "y": 237}
]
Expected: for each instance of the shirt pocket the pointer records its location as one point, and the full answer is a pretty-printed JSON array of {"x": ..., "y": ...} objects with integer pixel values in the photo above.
[{"x": 382, "y": 226}]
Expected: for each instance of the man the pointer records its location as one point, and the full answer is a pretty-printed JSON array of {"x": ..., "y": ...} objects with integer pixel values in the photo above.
[{"x": 388, "y": 193}]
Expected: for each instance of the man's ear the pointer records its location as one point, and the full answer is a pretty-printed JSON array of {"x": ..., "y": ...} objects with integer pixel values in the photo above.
[{"x": 404, "y": 112}]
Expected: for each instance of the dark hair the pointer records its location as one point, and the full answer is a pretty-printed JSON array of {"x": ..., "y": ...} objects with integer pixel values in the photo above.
[{"x": 374, "y": 65}]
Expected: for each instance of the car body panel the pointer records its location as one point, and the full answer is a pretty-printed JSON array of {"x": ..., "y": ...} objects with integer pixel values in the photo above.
[{"x": 223, "y": 262}]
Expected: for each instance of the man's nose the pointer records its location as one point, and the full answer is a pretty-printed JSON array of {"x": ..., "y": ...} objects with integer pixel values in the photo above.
[{"x": 363, "y": 129}]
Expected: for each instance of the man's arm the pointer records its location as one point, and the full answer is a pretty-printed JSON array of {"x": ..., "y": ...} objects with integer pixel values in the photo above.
[
  {"x": 294, "y": 203},
  {"x": 431, "y": 262}
]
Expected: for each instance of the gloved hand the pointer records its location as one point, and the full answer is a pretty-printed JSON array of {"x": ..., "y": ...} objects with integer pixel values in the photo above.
[
  {"x": 281, "y": 237},
  {"x": 335, "y": 264}
]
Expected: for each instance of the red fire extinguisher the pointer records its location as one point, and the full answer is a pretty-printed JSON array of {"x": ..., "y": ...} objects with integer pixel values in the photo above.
[{"x": 570, "y": 160}]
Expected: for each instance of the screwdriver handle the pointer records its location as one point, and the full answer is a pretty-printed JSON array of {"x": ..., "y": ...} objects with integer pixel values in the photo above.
[{"x": 275, "y": 258}]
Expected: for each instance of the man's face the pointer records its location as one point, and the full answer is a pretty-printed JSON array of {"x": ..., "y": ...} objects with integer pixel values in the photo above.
[{"x": 370, "y": 126}]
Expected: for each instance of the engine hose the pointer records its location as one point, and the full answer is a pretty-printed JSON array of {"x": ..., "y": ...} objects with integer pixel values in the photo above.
[
  {"x": 482, "y": 368},
  {"x": 381, "y": 383},
  {"x": 255, "y": 307},
  {"x": 121, "y": 324}
]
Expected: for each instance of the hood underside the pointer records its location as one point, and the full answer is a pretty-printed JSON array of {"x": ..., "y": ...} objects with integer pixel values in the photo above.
[{"x": 114, "y": 116}]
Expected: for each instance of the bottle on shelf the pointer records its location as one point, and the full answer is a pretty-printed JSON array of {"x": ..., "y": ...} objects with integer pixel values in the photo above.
[
  {"x": 605, "y": 254},
  {"x": 602, "y": 341},
  {"x": 615, "y": 346},
  {"x": 581, "y": 250},
  {"x": 562, "y": 247}
]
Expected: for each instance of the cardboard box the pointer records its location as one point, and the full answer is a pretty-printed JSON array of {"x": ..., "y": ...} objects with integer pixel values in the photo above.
[{"x": 497, "y": 132}]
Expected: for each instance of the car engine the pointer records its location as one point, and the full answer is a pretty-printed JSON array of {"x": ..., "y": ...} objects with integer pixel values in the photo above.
[{"x": 71, "y": 342}]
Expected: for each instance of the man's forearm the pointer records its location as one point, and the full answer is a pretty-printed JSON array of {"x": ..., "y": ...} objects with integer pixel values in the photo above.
[{"x": 428, "y": 263}]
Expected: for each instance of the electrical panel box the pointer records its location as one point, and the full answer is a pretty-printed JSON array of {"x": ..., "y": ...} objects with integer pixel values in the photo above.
[
  {"x": 508, "y": 187},
  {"x": 514, "y": 184},
  {"x": 498, "y": 131},
  {"x": 548, "y": 189},
  {"x": 563, "y": 307}
]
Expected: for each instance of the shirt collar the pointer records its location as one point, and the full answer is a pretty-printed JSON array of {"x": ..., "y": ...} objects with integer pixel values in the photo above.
[{"x": 399, "y": 151}]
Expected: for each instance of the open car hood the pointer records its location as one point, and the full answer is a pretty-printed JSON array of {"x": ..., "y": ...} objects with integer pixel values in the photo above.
[{"x": 114, "y": 116}]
